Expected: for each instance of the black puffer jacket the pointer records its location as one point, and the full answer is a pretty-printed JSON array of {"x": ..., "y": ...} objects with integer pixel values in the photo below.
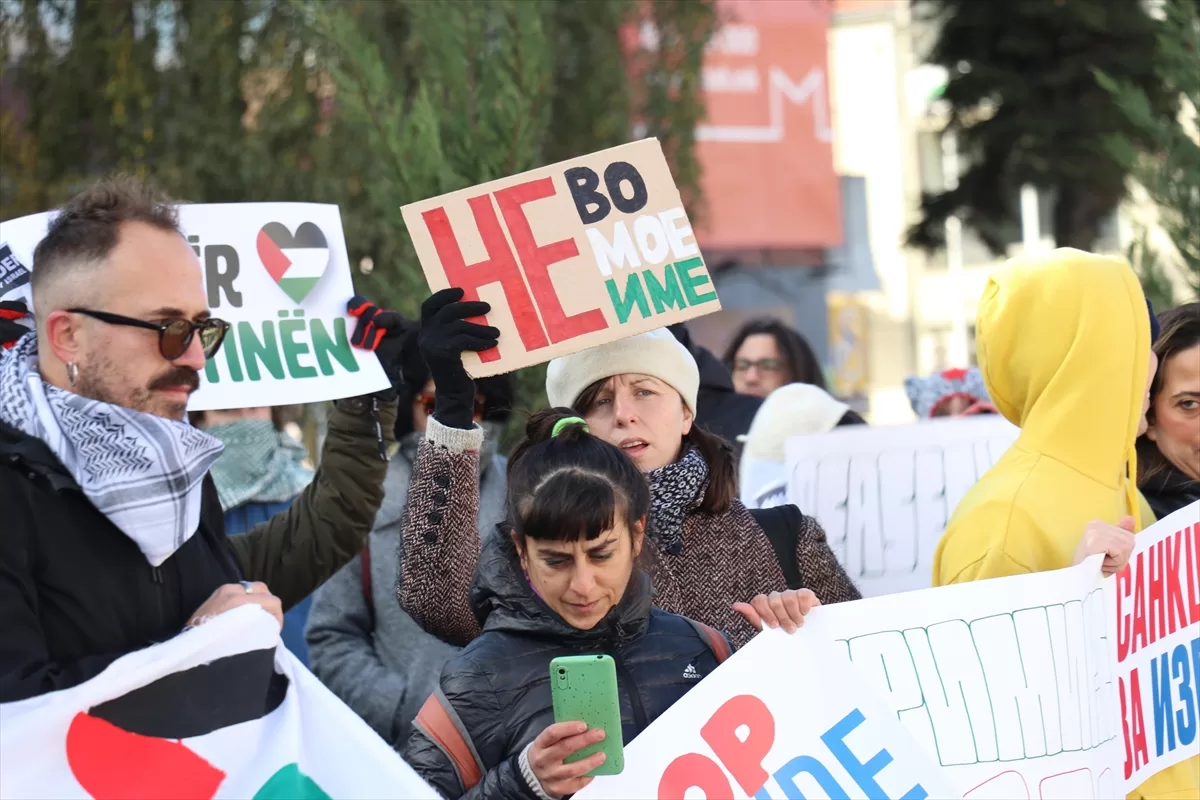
[{"x": 494, "y": 697}]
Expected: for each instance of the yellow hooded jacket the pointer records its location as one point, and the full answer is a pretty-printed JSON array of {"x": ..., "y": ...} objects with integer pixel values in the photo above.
[{"x": 1064, "y": 346}]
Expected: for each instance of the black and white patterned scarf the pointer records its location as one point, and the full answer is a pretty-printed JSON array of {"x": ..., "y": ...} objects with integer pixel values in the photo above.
[
  {"x": 143, "y": 472},
  {"x": 675, "y": 490}
]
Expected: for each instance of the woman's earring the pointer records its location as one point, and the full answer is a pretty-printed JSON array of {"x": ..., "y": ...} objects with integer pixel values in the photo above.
[{"x": 72, "y": 372}]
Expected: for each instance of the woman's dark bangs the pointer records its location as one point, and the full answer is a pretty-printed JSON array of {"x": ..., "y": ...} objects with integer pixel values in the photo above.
[{"x": 571, "y": 505}]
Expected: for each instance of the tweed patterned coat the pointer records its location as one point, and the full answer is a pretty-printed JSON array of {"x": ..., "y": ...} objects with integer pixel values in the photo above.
[{"x": 725, "y": 558}]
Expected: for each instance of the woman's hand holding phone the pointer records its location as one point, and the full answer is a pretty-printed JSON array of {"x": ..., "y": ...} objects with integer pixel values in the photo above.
[{"x": 554, "y": 744}]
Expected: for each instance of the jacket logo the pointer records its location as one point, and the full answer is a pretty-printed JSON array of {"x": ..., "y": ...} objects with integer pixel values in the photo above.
[{"x": 691, "y": 674}]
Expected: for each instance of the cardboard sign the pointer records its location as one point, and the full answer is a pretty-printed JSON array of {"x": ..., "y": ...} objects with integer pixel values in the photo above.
[
  {"x": 569, "y": 256},
  {"x": 1008, "y": 684},
  {"x": 279, "y": 273},
  {"x": 883, "y": 495},
  {"x": 1156, "y": 610},
  {"x": 756, "y": 728}
]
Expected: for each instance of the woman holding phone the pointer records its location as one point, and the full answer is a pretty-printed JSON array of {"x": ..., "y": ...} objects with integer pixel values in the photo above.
[{"x": 563, "y": 581}]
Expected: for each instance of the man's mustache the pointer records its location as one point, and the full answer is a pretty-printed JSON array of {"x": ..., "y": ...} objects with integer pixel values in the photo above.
[{"x": 180, "y": 377}]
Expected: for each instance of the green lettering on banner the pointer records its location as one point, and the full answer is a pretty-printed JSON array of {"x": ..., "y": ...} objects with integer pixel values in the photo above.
[
  {"x": 265, "y": 350},
  {"x": 229, "y": 348},
  {"x": 338, "y": 346},
  {"x": 664, "y": 297},
  {"x": 690, "y": 283},
  {"x": 292, "y": 350},
  {"x": 634, "y": 294}
]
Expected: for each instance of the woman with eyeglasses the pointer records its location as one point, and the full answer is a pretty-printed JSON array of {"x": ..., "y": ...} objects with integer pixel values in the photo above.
[
  {"x": 361, "y": 644},
  {"x": 766, "y": 354}
]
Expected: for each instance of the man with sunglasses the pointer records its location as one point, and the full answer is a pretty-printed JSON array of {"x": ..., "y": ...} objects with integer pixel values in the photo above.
[{"x": 112, "y": 536}]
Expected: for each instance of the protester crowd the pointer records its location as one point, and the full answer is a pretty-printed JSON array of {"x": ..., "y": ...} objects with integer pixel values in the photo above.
[{"x": 444, "y": 576}]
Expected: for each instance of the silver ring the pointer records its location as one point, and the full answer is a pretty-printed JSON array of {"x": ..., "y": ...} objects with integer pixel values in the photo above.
[{"x": 248, "y": 586}]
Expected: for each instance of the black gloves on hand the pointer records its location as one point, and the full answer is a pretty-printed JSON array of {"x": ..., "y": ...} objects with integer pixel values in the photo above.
[
  {"x": 11, "y": 329},
  {"x": 445, "y": 334},
  {"x": 383, "y": 333}
]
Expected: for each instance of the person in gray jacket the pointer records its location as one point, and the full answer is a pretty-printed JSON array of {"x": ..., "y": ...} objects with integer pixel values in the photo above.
[{"x": 362, "y": 645}]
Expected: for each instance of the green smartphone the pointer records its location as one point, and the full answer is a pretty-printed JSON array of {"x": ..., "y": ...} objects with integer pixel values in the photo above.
[{"x": 584, "y": 689}]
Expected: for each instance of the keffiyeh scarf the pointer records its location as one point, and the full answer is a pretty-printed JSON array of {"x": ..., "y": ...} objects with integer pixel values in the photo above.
[
  {"x": 143, "y": 472},
  {"x": 259, "y": 465},
  {"x": 675, "y": 490}
]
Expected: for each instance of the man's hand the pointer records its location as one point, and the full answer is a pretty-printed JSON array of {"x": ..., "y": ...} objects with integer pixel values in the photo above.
[
  {"x": 552, "y": 745},
  {"x": 786, "y": 609},
  {"x": 232, "y": 595},
  {"x": 1115, "y": 541},
  {"x": 12, "y": 314}
]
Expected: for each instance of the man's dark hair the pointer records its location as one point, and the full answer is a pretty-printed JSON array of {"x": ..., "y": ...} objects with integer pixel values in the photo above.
[{"x": 87, "y": 228}]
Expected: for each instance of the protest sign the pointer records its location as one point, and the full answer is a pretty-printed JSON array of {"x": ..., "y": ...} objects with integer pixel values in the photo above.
[
  {"x": 785, "y": 717},
  {"x": 1007, "y": 684},
  {"x": 883, "y": 495},
  {"x": 278, "y": 272},
  {"x": 1156, "y": 608},
  {"x": 582, "y": 252},
  {"x": 220, "y": 711}
]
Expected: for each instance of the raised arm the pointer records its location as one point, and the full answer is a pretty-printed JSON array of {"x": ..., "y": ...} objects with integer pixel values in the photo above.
[
  {"x": 297, "y": 550},
  {"x": 439, "y": 533}
]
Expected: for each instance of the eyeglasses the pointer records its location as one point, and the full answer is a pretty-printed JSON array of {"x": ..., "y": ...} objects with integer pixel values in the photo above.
[
  {"x": 762, "y": 365},
  {"x": 174, "y": 336},
  {"x": 428, "y": 401}
]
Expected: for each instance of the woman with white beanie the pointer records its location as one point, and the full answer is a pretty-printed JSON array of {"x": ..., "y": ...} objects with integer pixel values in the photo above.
[{"x": 713, "y": 560}]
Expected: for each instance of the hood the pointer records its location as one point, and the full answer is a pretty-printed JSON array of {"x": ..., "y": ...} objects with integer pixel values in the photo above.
[
  {"x": 503, "y": 600},
  {"x": 1064, "y": 347}
]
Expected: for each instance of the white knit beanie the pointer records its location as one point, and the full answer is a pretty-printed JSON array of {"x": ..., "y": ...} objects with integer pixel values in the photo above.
[{"x": 656, "y": 353}]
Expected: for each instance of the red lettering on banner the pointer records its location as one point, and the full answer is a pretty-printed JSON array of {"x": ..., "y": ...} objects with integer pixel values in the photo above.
[
  {"x": 500, "y": 267},
  {"x": 1190, "y": 535},
  {"x": 1176, "y": 613},
  {"x": 536, "y": 262},
  {"x": 1133, "y": 724},
  {"x": 693, "y": 771},
  {"x": 743, "y": 758},
  {"x": 1124, "y": 624},
  {"x": 1139, "y": 604},
  {"x": 1157, "y": 592}
]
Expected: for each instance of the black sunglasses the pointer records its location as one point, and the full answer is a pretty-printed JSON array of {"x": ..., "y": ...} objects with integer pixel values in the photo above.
[{"x": 174, "y": 336}]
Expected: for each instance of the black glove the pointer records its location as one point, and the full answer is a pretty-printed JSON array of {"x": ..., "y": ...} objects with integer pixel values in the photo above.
[
  {"x": 445, "y": 334},
  {"x": 11, "y": 329},
  {"x": 383, "y": 333}
]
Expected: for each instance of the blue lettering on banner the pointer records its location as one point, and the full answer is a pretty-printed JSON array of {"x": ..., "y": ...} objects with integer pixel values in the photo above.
[
  {"x": 862, "y": 772},
  {"x": 1175, "y": 681}
]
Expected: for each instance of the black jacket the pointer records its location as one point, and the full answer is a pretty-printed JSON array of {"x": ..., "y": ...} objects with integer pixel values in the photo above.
[
  {"x": 1170, "y": 490},
  {"x": 494, "y": 697},
  {"x": 721, "y": 410},
  {"x": 76, "y": 593}
]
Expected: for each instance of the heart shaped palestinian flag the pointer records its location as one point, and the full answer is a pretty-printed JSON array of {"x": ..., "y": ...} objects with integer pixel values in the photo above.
[{"x": 295, "y": 262}]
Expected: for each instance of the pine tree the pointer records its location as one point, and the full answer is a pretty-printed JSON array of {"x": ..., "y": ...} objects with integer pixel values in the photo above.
[
  {"x": 1167, "y": 164},
  {"x": 1027, "y": 109}
]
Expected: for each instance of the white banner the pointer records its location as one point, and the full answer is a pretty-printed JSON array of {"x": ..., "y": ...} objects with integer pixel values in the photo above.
[
  {"x": 1008, "y": 684},
  {"x": 786, "y": 717},
  {"x": 1156, "y": 611},
  {"x": 883, "y": 495},
  {"x": 220, "y": 711},
  {"x": 280, "y": 274}
]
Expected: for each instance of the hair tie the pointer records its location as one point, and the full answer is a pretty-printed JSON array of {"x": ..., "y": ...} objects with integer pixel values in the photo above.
[{"x": 565, "y": 422}]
